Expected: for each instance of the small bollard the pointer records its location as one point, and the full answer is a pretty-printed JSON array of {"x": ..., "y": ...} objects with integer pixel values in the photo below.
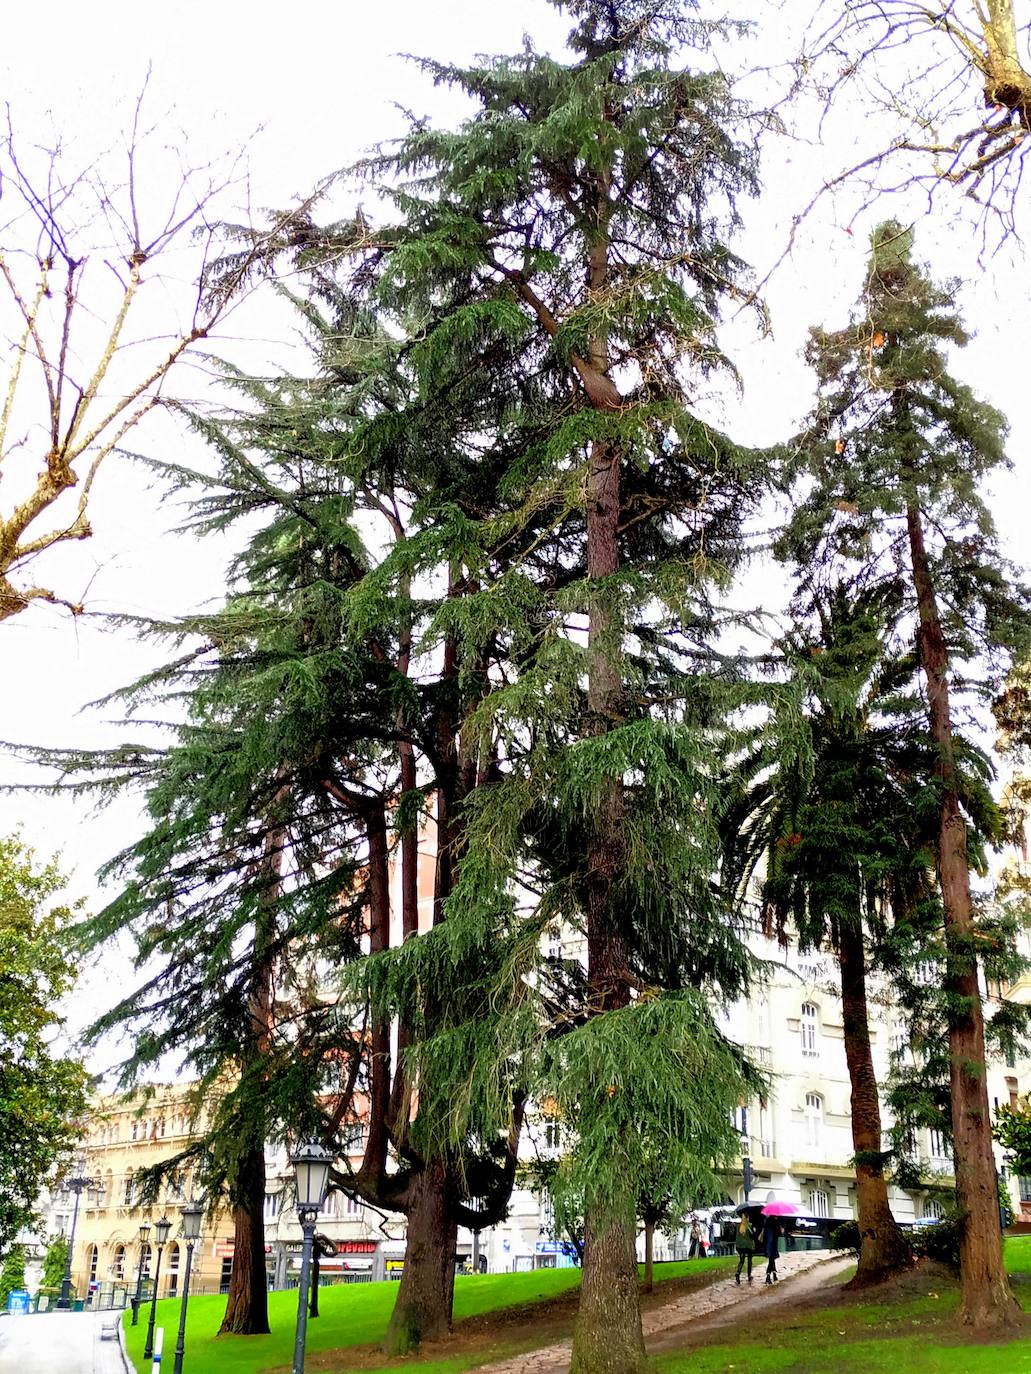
[{"x": 159, "y": 1340}]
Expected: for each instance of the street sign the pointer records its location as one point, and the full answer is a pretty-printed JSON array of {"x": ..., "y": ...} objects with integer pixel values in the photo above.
[{"x": 18, "y": 1302}]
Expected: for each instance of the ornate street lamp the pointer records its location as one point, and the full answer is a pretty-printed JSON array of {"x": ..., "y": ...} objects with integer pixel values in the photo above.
[
  {"x": 311, "y": 1174},
  {"x": 162, "y": 1229},
  {"x": 77, "y": 1183},
  {"x": 193, "y": 1220},
  {"x": 144, "y": 1233}
]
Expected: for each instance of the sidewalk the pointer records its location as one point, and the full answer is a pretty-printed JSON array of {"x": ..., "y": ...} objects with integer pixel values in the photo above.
[{"x": 691, "y": 1308}]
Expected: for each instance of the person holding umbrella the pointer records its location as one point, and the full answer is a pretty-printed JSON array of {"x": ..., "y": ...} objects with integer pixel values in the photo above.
[{"x": 771, "y": 1247}]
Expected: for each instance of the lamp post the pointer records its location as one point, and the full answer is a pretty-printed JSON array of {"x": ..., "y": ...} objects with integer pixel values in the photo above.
[
  {"x": 144, "y": 1233},
  {"x": 77, "y": 1184},
  {"x": 193, "y": 1219},
  {"x": 162, "y": 1229},
  {"x": 311, "y": 1174},
  {"x": 747, "y": 1177}
]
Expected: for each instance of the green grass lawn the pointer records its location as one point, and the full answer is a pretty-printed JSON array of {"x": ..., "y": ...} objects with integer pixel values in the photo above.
[
  {"x": 355, "y": 1315},
  {"x": 911, "y": 1335}
]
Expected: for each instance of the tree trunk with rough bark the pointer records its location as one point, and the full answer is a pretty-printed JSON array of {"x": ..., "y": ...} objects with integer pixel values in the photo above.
[
  {"x": 608, "y": 1338},
  {"x": 247, "y": 1301},
  {"x": 884, "y": 1251},
  {"x": 987, "y": 1299},
  {"x": 425, "y": 1294}
]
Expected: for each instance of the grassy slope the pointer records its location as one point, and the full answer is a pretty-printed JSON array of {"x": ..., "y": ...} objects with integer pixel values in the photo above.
[
  {"x": 909, "y": 1336},
  {"x": 352, "y": 1315}
]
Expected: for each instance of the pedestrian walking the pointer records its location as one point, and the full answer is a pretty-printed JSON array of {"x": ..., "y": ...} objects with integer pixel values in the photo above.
[
  {"x": 744, "y": 1244},
  {"x": 695, "y": 1247},
  {"x": 771, "y": 1248}
]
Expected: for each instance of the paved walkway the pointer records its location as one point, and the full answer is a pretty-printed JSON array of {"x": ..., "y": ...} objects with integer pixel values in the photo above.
[
  {"x": 701, "y": 1307},
  {"x": 58, "y": 1343}
]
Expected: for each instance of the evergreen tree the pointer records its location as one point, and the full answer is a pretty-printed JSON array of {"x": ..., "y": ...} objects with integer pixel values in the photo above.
[
  {"x": 12, "y": 1273},
  {"x": 568, "y": 242},
  {"x": 898, "y": 493},
  {"x": 54, "y": 1262},
  {"x": 831, "y": 807}
]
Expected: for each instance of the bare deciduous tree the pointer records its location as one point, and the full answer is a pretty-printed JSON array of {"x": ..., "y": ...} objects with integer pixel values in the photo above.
[
  {"x": 956, "y": 78},
  {"x": 104, "y": 287}
]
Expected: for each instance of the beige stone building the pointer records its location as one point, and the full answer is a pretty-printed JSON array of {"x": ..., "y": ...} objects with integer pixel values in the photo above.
[{"x": 121, "y": 1138}]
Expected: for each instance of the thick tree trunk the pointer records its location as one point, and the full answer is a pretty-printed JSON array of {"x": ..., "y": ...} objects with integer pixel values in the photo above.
[
  {"x": 425, "y": 1295},
  {"x": 649, "y": 1256},
  {"x": 247, "y": 1301},
  {"x": 987, "y": 1300},
  {"x": 607, "y": 1338},
  {"x": 884, "y": 1250}
]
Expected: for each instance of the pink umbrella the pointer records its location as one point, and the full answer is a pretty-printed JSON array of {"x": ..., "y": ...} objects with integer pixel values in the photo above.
[{"x": 781, "y": 1209}]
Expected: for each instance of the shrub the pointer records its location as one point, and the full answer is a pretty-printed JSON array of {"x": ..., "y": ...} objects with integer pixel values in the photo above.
[
  {"x": 939, "y": 1242},
  {"x": 846, "y": 1237}
]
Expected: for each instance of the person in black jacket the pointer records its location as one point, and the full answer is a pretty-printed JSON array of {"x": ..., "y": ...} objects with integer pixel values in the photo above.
[{"x": 771, "y": 1247}]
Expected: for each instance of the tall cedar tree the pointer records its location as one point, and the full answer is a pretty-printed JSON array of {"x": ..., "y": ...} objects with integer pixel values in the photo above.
[
  {"x": 579, "y": 217},
  {"x": 899, "y": 493},
  {"x": 307, "y": 751},
  {"x": 832, "y": 807}
]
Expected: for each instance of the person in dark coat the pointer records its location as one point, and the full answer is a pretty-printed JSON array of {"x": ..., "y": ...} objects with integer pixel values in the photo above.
[
  {"x": 771, "y": 1247},
  {"x": 744, "y": 1244}
]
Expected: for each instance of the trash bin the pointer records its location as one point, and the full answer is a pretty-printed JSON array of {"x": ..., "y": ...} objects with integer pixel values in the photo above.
[{"x": 79, "y": 1305}]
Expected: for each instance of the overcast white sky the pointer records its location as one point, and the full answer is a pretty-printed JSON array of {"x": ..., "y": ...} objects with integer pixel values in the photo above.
[{"x": 319, "y": 85}]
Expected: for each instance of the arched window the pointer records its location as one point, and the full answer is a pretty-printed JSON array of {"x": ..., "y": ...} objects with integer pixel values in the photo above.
[
  {"x": 933, "y": 1209},
  {"x": 173, "y": 1269},
  {"x": 819, "y": 1201},
  {"x": 813, "y": 1119},
  {"x": 92, "y": 1254},
  {"x": 145, "y": 1252},
  {"x": 809, "y": 1030},
  {"x": 118, "y": 1263}
]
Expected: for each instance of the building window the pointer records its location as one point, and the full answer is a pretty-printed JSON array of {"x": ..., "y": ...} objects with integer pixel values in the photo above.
[
  {"x": 766, "y": 1146},
  {"x": 925, "y": 975},
  {"x": 135, "y": 1130},
  {"x": 94, "y": 1256},
  {"x": 937, "y": 1146},
  {"x": 352, "y": 1206},
  {"x": 271, "y": 1206},
  {"x": 225, "y": 1276},
  {"x": 813, "y": 1119},
  {"x": 145, "y": 1266},
  {"x": 1024, "y": 1186},
  {"x": 127, "y": 1194},
  {"x": 932, "y": 1209},
  {"x": 819, "y": 1202},
  {"x": 553, "y": 1135},
  {"x": 118, "y": 1263},
  {"x": 1014, "y": 1094},
  {"x": 739, "y": 1117},
  {"x": 809, "y": 1017},
  {"x": 173, "y": 1271}
]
